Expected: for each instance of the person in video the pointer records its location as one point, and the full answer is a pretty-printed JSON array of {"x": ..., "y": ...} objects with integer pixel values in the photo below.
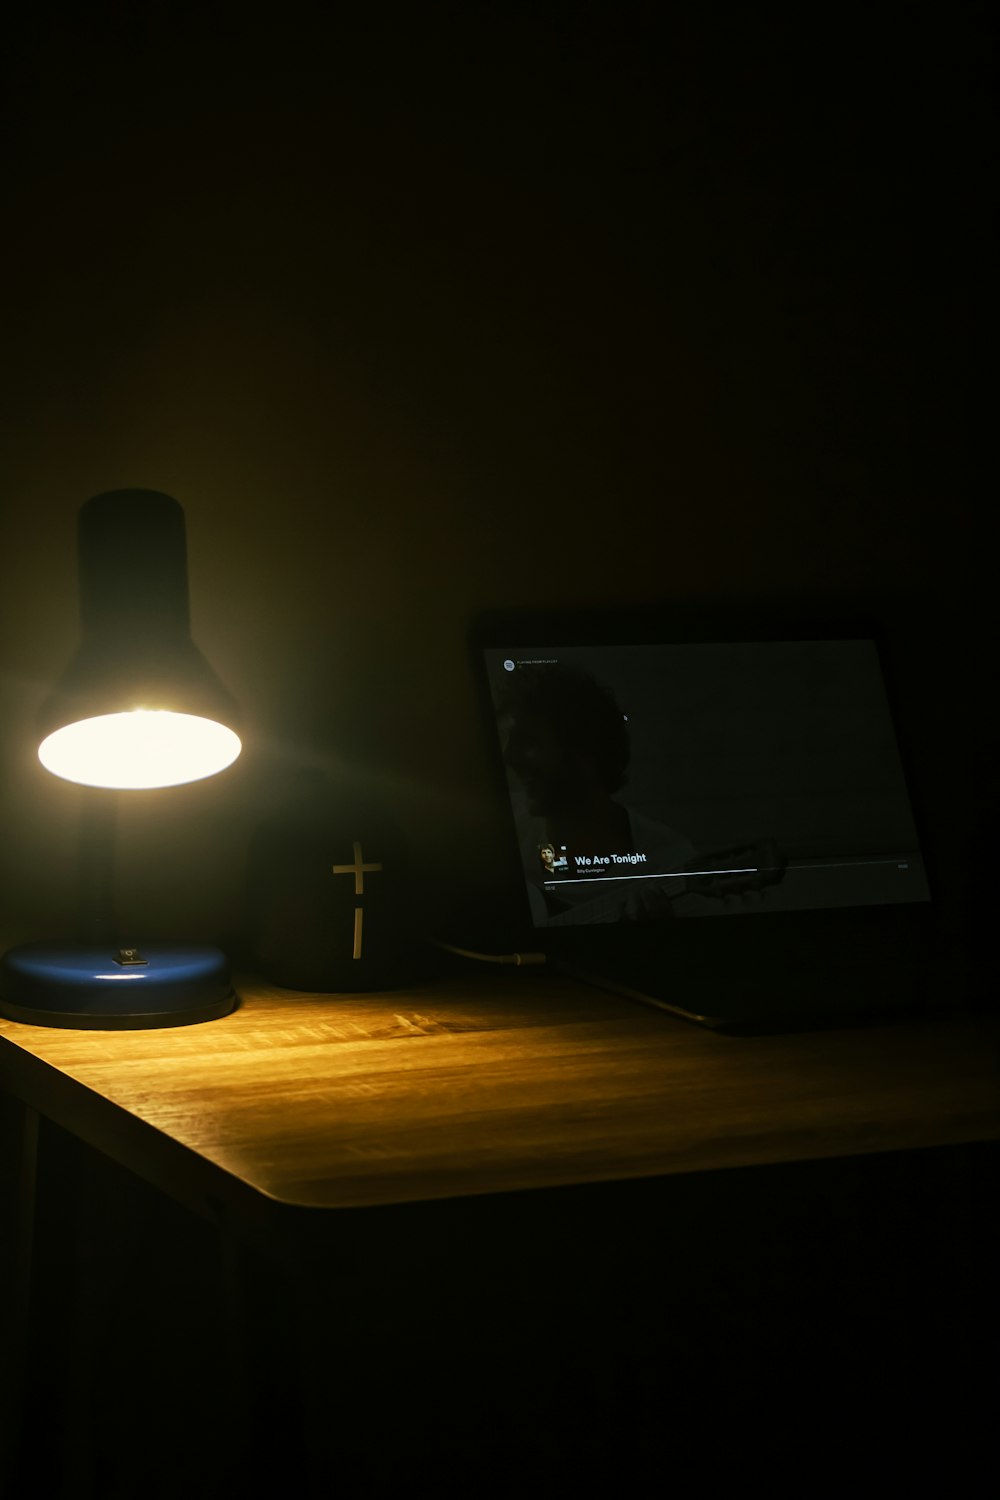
[
  {"x": 553, "y": 860},
  {"x": 566, "y": 740}
]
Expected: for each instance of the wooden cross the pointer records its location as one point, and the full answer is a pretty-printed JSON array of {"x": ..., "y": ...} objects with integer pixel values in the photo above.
[{"x": 358, "y": 869}]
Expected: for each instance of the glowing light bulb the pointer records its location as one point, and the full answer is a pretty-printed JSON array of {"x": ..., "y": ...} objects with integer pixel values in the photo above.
[{"x": 145, "y": 748}]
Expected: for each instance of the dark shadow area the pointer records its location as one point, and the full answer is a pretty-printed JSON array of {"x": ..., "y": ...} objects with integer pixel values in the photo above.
[{"x": 778, "y": 1321}]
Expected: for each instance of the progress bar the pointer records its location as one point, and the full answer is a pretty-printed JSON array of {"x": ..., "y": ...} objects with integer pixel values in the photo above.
[
  {"x": 902, "y": 862},
  {"x": 664, "y": 875}
]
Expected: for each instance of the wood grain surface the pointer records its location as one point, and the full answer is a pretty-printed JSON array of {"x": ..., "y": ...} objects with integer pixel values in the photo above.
[{"x": 490, "y": 1084}]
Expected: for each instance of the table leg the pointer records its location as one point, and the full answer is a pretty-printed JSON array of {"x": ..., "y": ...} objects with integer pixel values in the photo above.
[{"x": 22, "y": 1173}]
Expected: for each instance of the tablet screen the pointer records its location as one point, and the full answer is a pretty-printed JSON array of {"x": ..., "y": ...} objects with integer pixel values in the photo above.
[{"x": 687, "y": 780}]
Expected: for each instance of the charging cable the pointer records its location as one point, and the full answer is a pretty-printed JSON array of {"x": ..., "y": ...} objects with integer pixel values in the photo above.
[{"x": 491, "y": 958}]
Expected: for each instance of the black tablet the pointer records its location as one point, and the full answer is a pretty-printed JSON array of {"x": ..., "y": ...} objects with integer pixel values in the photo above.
[{"x": 706, "y": 811}]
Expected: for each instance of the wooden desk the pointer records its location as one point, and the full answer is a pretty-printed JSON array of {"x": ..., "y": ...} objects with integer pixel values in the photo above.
[
  {"x": 486, "y": 1085},
  {"x": 510, "y": 1216}
]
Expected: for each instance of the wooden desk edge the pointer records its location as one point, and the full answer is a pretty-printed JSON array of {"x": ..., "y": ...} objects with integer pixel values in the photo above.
[{"x": 250, "y": 1211}]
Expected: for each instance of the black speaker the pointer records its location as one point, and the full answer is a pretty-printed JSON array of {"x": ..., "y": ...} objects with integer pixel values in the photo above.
[{"x": 327, "y": 881}]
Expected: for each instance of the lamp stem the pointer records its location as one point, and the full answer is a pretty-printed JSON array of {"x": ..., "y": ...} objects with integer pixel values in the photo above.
[{"x": 96, "y": 869}]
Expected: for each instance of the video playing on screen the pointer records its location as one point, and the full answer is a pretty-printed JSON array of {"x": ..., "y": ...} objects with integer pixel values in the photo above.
[{"x": 650, "y": 782}]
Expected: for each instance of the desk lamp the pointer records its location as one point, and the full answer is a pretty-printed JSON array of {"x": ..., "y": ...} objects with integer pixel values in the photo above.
[{"x": 138, "y": 707}]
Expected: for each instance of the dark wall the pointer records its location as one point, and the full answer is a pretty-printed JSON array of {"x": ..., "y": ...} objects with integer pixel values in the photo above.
[{"x": 420, "y": 314}]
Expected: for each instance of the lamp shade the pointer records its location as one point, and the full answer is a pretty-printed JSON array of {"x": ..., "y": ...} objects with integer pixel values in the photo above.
[{"x": 138, "y": 705}]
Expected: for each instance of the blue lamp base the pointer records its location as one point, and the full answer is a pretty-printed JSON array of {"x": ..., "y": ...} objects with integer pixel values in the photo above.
[{"x": 114, "y": 989}]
